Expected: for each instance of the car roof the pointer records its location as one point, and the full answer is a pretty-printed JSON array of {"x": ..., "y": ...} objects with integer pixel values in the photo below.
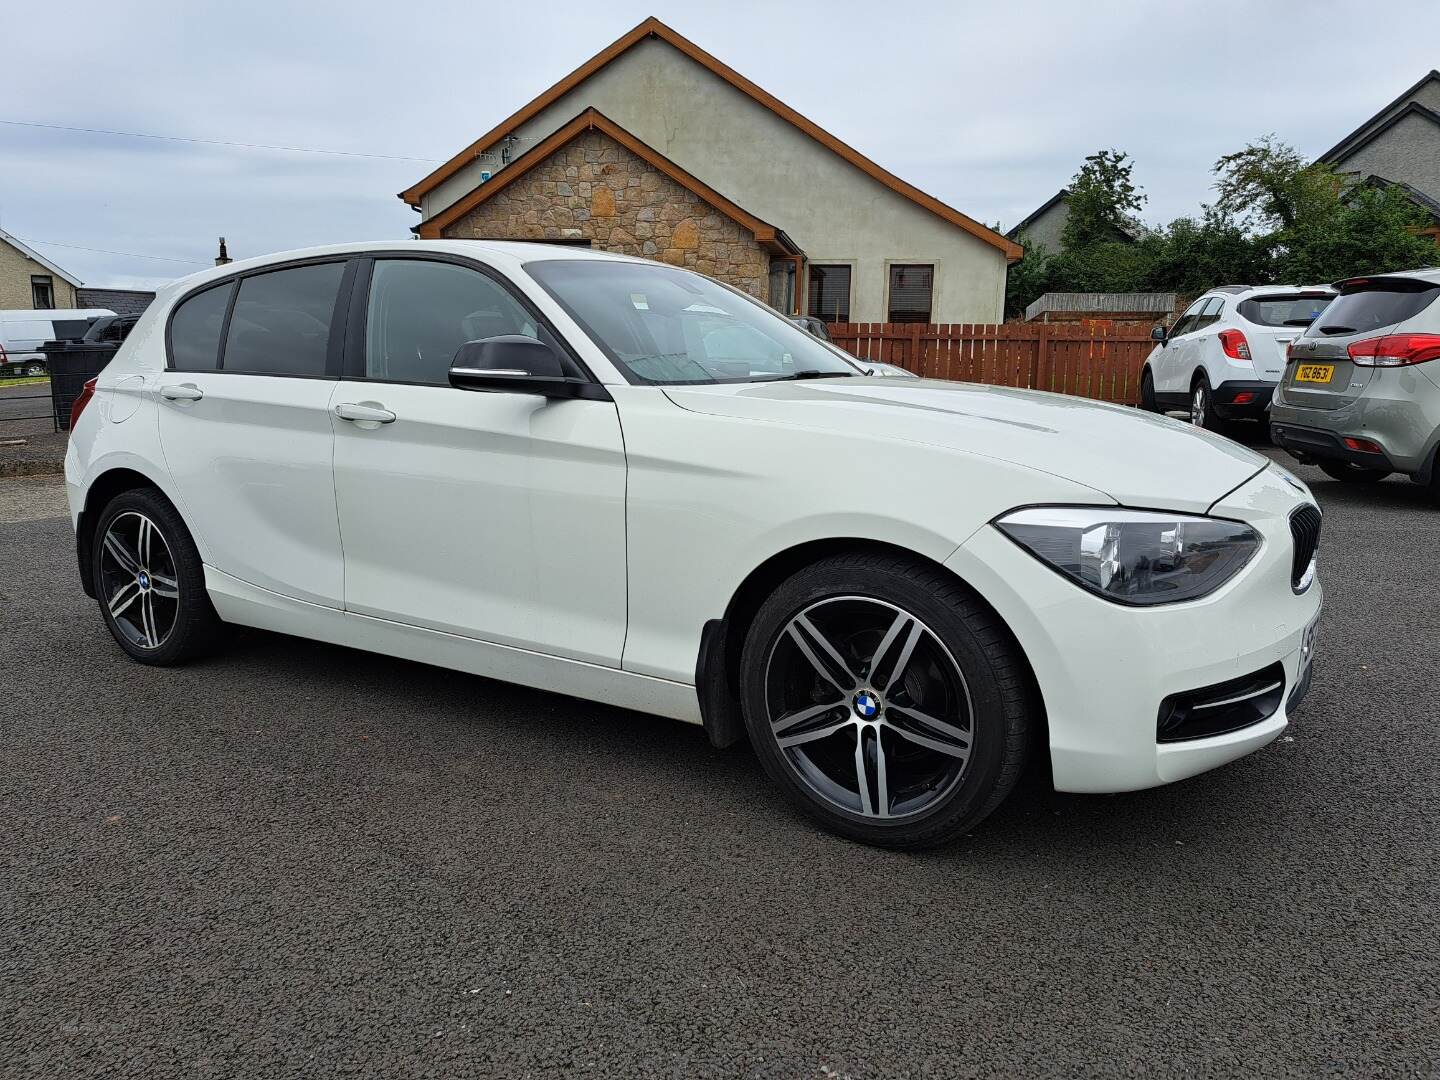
[
  {"x": 513, "y": 253},
  {"x": 1249, "y": 291}
]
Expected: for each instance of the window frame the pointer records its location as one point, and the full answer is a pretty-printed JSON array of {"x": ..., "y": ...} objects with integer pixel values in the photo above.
[
  {"x": 849, "y": 266},
  {"x": 48, "y": 282},
  {"x": 357, "y": 323},
  {"x": 890, "y": 267},
  {"x": 335, "y": 343},
  {"x": 1193, "y": 314}
]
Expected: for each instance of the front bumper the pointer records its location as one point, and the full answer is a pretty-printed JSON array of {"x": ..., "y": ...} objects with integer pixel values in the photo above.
[{"x": 1104, "y": 669}]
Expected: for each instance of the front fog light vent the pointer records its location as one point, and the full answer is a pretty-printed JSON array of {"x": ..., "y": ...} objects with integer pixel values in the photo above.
[{"x": 1221, "y": 708}]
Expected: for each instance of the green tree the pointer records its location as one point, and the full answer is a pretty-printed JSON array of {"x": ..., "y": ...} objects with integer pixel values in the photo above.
[
  {"x": 1029, "y": 279},
  {"x": 1102, "y": 201}
]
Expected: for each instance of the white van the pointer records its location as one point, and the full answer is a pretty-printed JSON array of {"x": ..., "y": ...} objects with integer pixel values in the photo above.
[{"x": 23, "y": 331}]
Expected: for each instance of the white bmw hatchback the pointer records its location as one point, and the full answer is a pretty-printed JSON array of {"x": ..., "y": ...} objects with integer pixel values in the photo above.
[{"x": 625, "y": 482}]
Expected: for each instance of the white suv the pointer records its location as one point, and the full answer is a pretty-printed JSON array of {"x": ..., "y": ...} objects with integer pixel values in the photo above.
[{"x": 1224, "y": 357}]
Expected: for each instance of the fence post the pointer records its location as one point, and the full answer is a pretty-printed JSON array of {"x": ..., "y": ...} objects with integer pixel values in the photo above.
[{"x": 1041, "y": 357}]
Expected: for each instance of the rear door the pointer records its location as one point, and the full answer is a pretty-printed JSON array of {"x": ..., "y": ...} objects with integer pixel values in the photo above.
[
  {"x": 1321, "y": 374},
  {"x": 245, "y": 424}
]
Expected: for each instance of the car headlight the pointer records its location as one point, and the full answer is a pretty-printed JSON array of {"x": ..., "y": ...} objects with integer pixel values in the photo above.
[{"x": 1137, "y": 557}]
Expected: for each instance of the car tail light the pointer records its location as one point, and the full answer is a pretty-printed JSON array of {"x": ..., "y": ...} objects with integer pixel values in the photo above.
[
  {"x": 81, "y": 400},
  {"x": 1245, "y": 397},
  {"x": 1363, "y": 446},
  {"x": 1395, "y": 350},
  {"x": 1235, "y": 345}
]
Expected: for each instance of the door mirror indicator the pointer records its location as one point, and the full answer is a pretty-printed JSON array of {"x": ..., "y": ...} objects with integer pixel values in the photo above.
[{"x": 518, "y": 364}]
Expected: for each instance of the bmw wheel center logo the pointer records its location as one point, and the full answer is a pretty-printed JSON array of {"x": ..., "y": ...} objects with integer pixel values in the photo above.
[
  {"x": 144, "y": 580},
  {"x": 867, "y": 705}
]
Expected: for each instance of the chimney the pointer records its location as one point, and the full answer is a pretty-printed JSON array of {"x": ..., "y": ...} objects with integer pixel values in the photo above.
[{"x": 224, "y": 256}]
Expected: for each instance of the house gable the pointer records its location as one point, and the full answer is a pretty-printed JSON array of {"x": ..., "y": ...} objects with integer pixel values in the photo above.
[
  {"x": 594, "y": 182},
  {"x": 1425, "y": 93},
  {"x": 685, "y": 129}
]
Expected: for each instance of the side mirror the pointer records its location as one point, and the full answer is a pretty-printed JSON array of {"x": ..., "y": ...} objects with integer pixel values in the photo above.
[
  {"x": 517, "y": 364},
  {"x": 1159, "y": 334}
]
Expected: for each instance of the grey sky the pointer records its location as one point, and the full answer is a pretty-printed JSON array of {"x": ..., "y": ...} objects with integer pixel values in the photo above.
[{"x": 988, "y": 106}]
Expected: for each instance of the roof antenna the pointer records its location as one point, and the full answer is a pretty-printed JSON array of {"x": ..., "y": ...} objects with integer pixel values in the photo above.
[{"x": 224, "y": 256}]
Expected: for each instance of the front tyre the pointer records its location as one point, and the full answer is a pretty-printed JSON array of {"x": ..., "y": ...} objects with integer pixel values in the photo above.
[
  {"x": 149, "y": 581},
  {"x": 1147, "y": 392},
  {"x": 886, "y": 701}
]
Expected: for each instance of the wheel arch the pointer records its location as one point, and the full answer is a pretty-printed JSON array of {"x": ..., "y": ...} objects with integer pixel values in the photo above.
[
  {"x": 102, "y": 489},
  {"x": 717, "y": 669}
]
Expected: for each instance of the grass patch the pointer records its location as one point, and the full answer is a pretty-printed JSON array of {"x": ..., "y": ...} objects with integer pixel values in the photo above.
[{"x": 29, "y": 380}]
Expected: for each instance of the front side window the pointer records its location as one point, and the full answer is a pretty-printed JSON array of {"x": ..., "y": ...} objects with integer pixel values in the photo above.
[
  {"x": 829, "y": 293},
  {"x": 421, "y": 312},
  {"x": 42, "y": 291},
  {"x": 659, "y": 324},
  {"x": 281, "y": 321},
  {"x": 195, "y": 330},
  {"x": 911, "y": 285}
]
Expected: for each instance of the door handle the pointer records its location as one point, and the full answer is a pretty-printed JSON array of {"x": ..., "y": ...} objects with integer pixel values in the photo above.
[
  {"x": 181, "y": 392},
  {"x": 364, "y": 413}
]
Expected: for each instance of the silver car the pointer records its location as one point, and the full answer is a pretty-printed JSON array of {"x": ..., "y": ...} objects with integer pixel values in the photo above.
[{"x": 1360, "y": 396}]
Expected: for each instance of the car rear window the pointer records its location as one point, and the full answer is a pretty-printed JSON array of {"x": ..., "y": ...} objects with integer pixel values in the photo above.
[
  {"x": 1295, "y": 309},
  {"x": 1376, "y": 304}
]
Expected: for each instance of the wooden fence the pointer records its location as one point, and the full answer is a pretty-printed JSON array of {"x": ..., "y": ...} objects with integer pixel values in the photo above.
[{"x": 1094, "y": 359}]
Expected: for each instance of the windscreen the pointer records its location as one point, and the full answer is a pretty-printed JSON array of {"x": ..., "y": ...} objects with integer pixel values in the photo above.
[
  {"x": 1289, "y": 310},
  {"x": 669, "y": 326}
]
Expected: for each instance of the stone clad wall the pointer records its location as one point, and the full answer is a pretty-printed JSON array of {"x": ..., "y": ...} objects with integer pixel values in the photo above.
[{"x": 594, "y": 189}]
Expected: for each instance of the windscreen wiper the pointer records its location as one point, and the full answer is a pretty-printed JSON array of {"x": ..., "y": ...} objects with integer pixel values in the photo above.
[
  {"x": 814, "y": 373},
  {"x": 1334, "y": 328}
]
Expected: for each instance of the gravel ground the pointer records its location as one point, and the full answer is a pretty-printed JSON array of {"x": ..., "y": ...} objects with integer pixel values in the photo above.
[
  {"x": 298, "y": 860},
  {"x": 28, "y": 446}
]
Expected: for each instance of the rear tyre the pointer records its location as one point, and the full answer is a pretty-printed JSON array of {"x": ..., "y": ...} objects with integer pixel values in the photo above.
[
  {"x": 1352, "y": 474},
  {"x": 1147, "y": 392},
  {"x": 35, "y": 370},
  {"x": 1202, "y": 405},
  {"x": 886, "y": 701},
  {"x": 149, "y": 581}
]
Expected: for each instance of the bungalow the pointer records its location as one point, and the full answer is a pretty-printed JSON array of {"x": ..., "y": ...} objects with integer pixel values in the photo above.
[{"x": 746, "y": 190}]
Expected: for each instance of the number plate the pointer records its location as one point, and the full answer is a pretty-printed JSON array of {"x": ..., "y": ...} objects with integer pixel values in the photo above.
[{"x": 1315, "y": 373}]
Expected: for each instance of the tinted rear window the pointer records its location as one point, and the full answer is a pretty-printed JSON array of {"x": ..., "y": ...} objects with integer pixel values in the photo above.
[
  {"x": 1373, "y": 308},
  {"x": 281, "y": 321},
  {"x": 195, "y": 330},
  {"x": 1283, "y": 310}
]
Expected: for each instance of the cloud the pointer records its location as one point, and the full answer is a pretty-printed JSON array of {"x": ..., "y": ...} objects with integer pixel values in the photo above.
[{"x": 990, "y": 107}]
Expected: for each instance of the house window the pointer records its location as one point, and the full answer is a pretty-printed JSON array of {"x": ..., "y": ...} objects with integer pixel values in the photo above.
[
  {"x": 910, "y": 291},
  {"x": 42, "y": 291},
  {"x": 829, "y": 288}
]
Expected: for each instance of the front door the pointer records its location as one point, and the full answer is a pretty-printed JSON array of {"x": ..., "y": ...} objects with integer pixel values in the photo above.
[
  {"x": 246, "y": 430},
  {"x": 497, "y": 516}
]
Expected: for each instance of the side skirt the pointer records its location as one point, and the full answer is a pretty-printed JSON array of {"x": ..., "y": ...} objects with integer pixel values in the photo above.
[{"x": 240, "y": 602}]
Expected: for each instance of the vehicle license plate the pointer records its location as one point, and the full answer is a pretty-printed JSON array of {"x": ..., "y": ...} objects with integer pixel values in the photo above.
[{"x": 1315, "y": 373}]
